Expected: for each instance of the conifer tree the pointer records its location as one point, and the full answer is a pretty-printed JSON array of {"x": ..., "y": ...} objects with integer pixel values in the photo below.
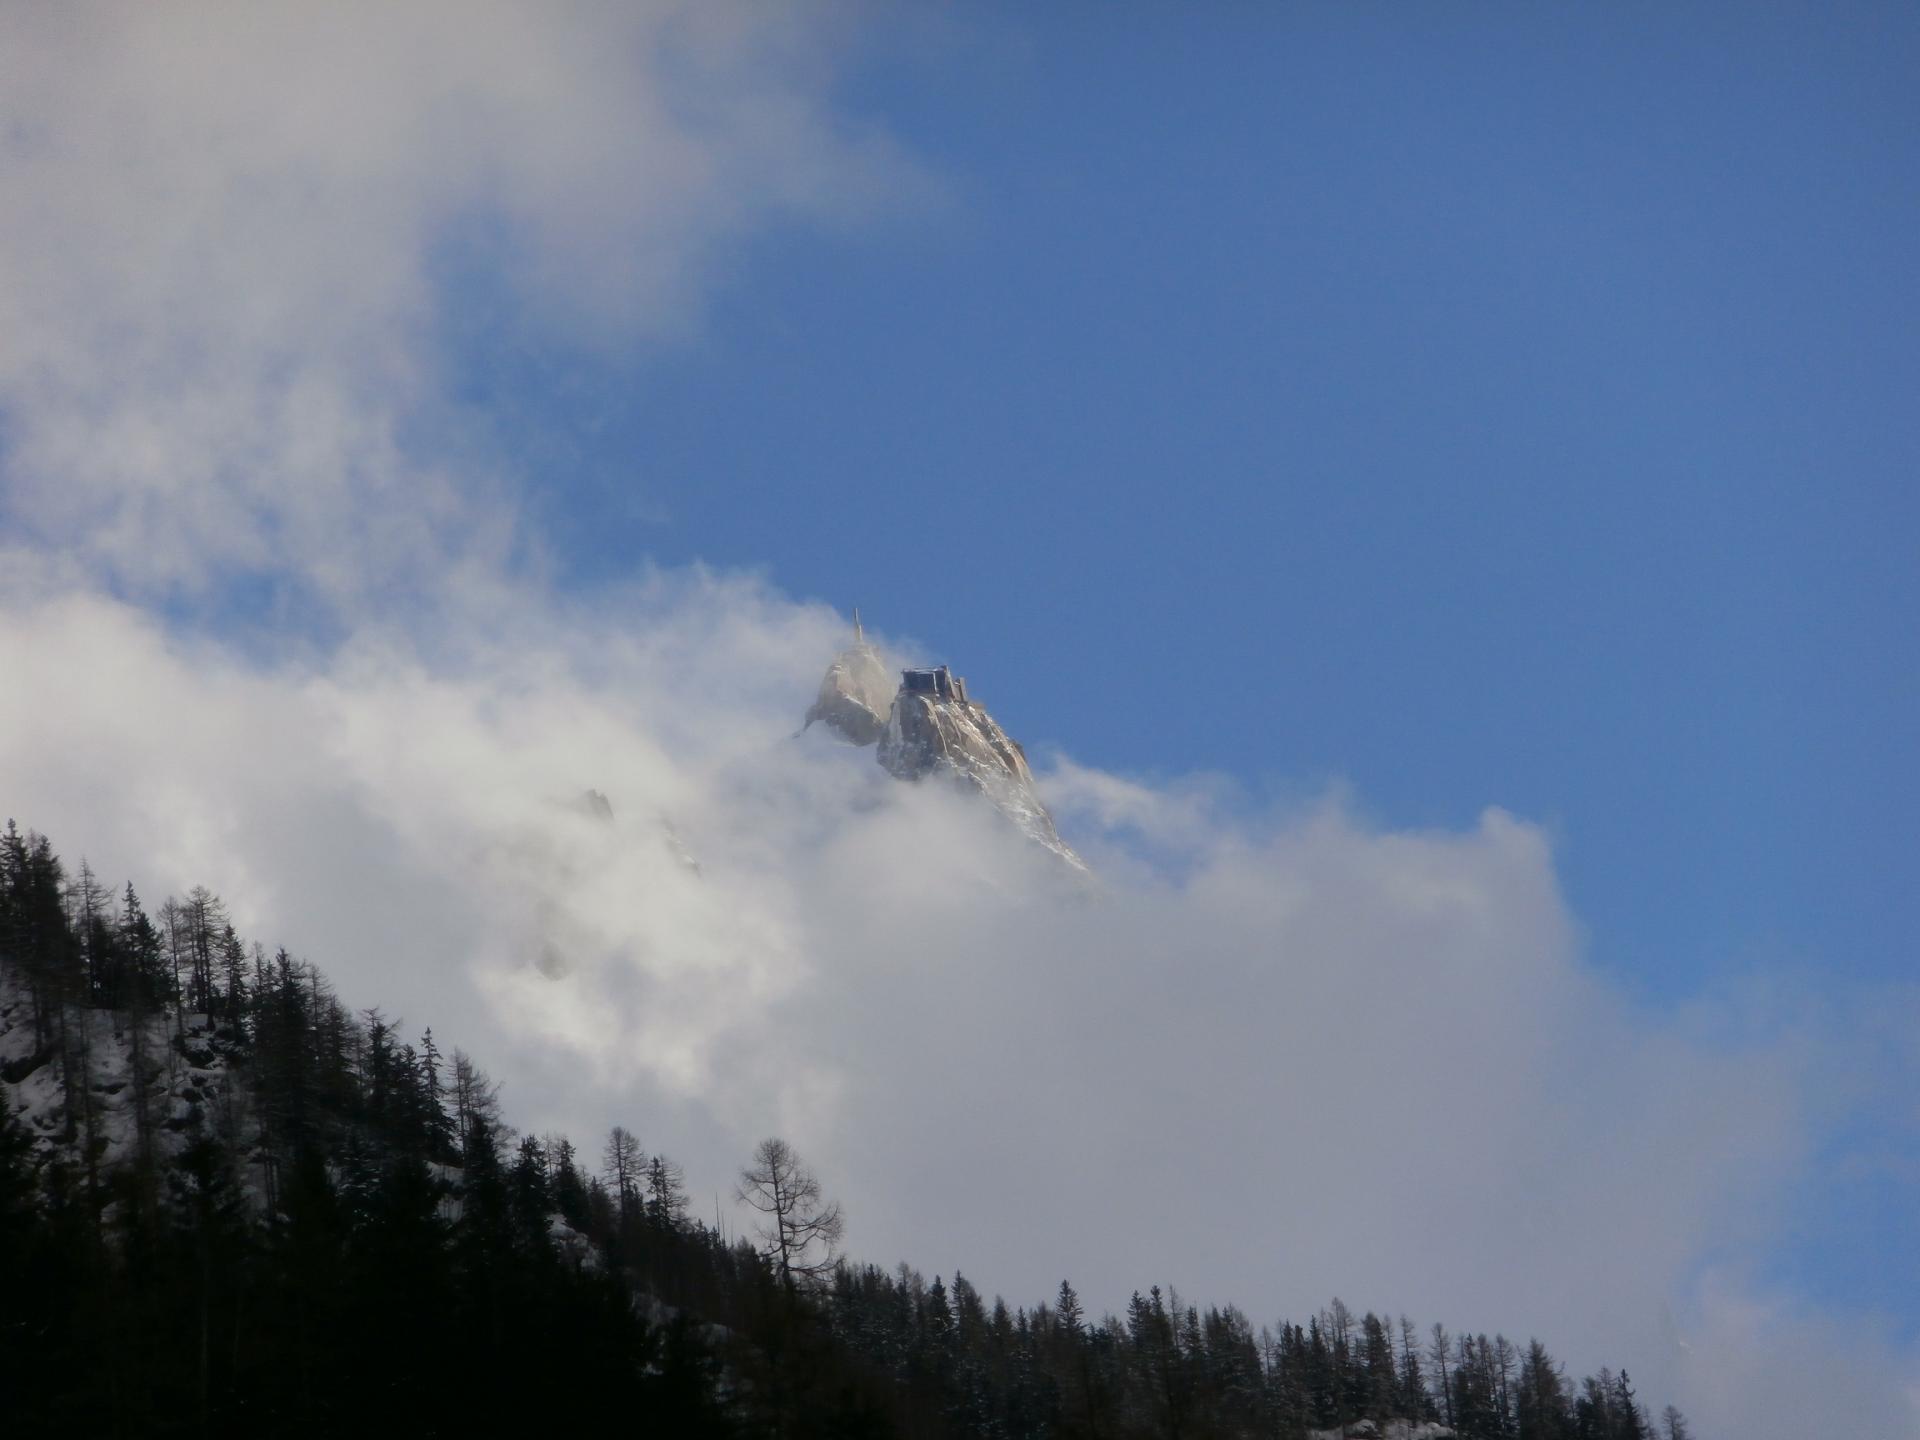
[
  {"x": 666, "y": 1193},
  {"x": 624, "y": 1164},
  {"x": 1541, "y": 1408},
  {"x": 569, "y": 1187},
  {"x": 233, "y": 972},
  {"x": 530, "y": 1196},
  {"x": 204, "y": 918},
  {"x": 476, "y": 1100}
]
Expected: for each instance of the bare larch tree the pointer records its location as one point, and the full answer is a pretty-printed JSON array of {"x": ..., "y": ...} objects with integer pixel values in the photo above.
[{"x": 800, "y": 1229}]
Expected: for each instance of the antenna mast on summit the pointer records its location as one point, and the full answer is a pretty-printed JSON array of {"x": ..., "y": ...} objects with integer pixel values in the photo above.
[{"x": 859, "y": 635}]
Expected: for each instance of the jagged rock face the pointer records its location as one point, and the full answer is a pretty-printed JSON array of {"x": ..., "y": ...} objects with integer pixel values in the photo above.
[
  {"x": 930, "y": 728},
  {"x": 855, "y": 695},
  {"x": 932, "y": 734}
]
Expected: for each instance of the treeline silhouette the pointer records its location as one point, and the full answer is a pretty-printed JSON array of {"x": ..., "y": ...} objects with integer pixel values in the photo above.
[{"x": 230, "y": 1205}]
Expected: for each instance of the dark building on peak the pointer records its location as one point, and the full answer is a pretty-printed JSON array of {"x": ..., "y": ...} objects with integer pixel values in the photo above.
[{"x": 938, "y": 682}]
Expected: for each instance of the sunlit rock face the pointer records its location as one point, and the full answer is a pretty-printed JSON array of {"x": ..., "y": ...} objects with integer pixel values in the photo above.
[
  {"x": 933, "y": 729},
  {"x": 855, "y": 694},
  {"x": 929, "y": 727}
]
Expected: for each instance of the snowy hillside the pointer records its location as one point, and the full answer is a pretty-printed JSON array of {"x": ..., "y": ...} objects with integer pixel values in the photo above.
[{"x": 139, "y": 1089}]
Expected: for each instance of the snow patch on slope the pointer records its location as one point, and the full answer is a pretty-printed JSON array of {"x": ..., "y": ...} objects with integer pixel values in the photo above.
[
  {"x": 1392, "y": 1430},
  {"x": 159, "y": 1088}
]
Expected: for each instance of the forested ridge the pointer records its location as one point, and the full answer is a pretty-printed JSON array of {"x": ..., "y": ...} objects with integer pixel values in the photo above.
[{"x": 232, "y": 1205}]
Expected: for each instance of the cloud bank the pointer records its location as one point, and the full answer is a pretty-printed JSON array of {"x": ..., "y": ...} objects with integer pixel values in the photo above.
[
  {"x": 1326, "y": 1058},
  {"x": 1271, "y": 1056},
  {"x": 234, "y": 236}
]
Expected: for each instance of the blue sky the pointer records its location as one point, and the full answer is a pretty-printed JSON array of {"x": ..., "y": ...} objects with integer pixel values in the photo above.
[
  {"x": 1455, "y": 406},
  {"x": 1489, "y": 405},
  {"x": 1479, "y": 406}
]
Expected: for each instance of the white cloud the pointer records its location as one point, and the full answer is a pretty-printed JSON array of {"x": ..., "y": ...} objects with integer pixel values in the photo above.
[
  {"x": 226, "y": 231},
  {"x": 1761, "y": 1365}
]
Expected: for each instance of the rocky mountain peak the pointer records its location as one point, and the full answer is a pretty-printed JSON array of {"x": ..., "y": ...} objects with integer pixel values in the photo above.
[
  {"x": 856, "y": 692},
  {"x": 927, "y": 726}
]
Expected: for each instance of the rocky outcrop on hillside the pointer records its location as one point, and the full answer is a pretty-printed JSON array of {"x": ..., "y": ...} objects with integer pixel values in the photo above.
[
  {"x": 929, "y": 728},
  {"x": 99, "y": 1088}
]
